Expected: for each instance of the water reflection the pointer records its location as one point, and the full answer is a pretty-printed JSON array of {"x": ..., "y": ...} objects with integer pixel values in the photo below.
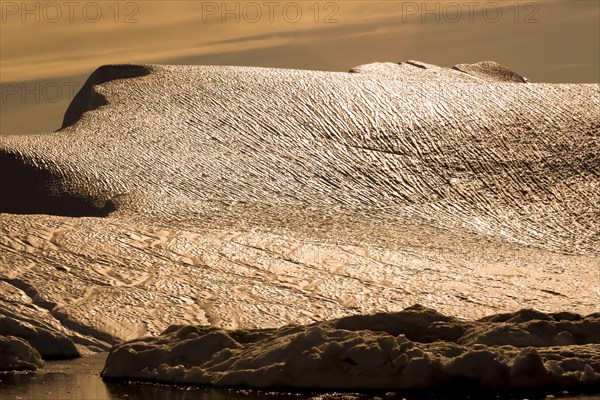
[
  {"x": 53, "y": 386},
  {"x": 140, "y": 391},
  {"x": 82, "y": 386},
  {"x": 80, "y": 380}
]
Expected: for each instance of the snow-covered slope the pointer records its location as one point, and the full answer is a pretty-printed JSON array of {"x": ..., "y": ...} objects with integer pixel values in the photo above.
[
  {"x": 253, "y": 198},
  {"x": 511, "y": 160}
]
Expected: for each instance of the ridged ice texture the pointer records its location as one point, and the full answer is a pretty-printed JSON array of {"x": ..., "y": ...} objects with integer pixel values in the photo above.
[
  {"x": 513, "y": 160},
  {"x": 253, "y": 198}
]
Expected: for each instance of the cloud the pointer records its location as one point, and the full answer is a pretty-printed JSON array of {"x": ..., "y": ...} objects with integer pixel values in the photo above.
[
  {"x": 166, "y": 31},
  {"x": 185, "y": 30}
]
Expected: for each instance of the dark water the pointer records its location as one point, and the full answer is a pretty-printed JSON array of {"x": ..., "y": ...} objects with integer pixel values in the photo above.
[{"x": 80, "y": 380}]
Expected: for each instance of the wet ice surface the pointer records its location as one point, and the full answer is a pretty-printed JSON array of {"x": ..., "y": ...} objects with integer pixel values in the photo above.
[{"x": 342, "y": 194}]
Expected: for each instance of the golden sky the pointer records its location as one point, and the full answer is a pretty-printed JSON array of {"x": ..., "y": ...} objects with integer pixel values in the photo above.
[{"x": 58, "y": 42}]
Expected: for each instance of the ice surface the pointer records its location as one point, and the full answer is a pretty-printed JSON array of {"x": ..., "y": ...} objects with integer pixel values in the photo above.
[
  {"x": 510, "y": 160},
  {"x": 16, "y": 355},
  {"x": 19, "y": 317},
  {"x": 415, "y": 71},
  {"x": 491, "y": 71},
  {"x": 414, "y": 348},
  {"x": 246, "y": 198}
]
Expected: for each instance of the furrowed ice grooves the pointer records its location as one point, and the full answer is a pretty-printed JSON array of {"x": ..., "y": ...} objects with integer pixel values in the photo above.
[
  {"x": 30, "y": 189},
  {"x": 253, "y": 198},
  {"x": 511, "y": 160}
]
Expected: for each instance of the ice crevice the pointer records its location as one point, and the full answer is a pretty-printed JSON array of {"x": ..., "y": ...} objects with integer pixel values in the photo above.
[{"x": 45, "y": 339}]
